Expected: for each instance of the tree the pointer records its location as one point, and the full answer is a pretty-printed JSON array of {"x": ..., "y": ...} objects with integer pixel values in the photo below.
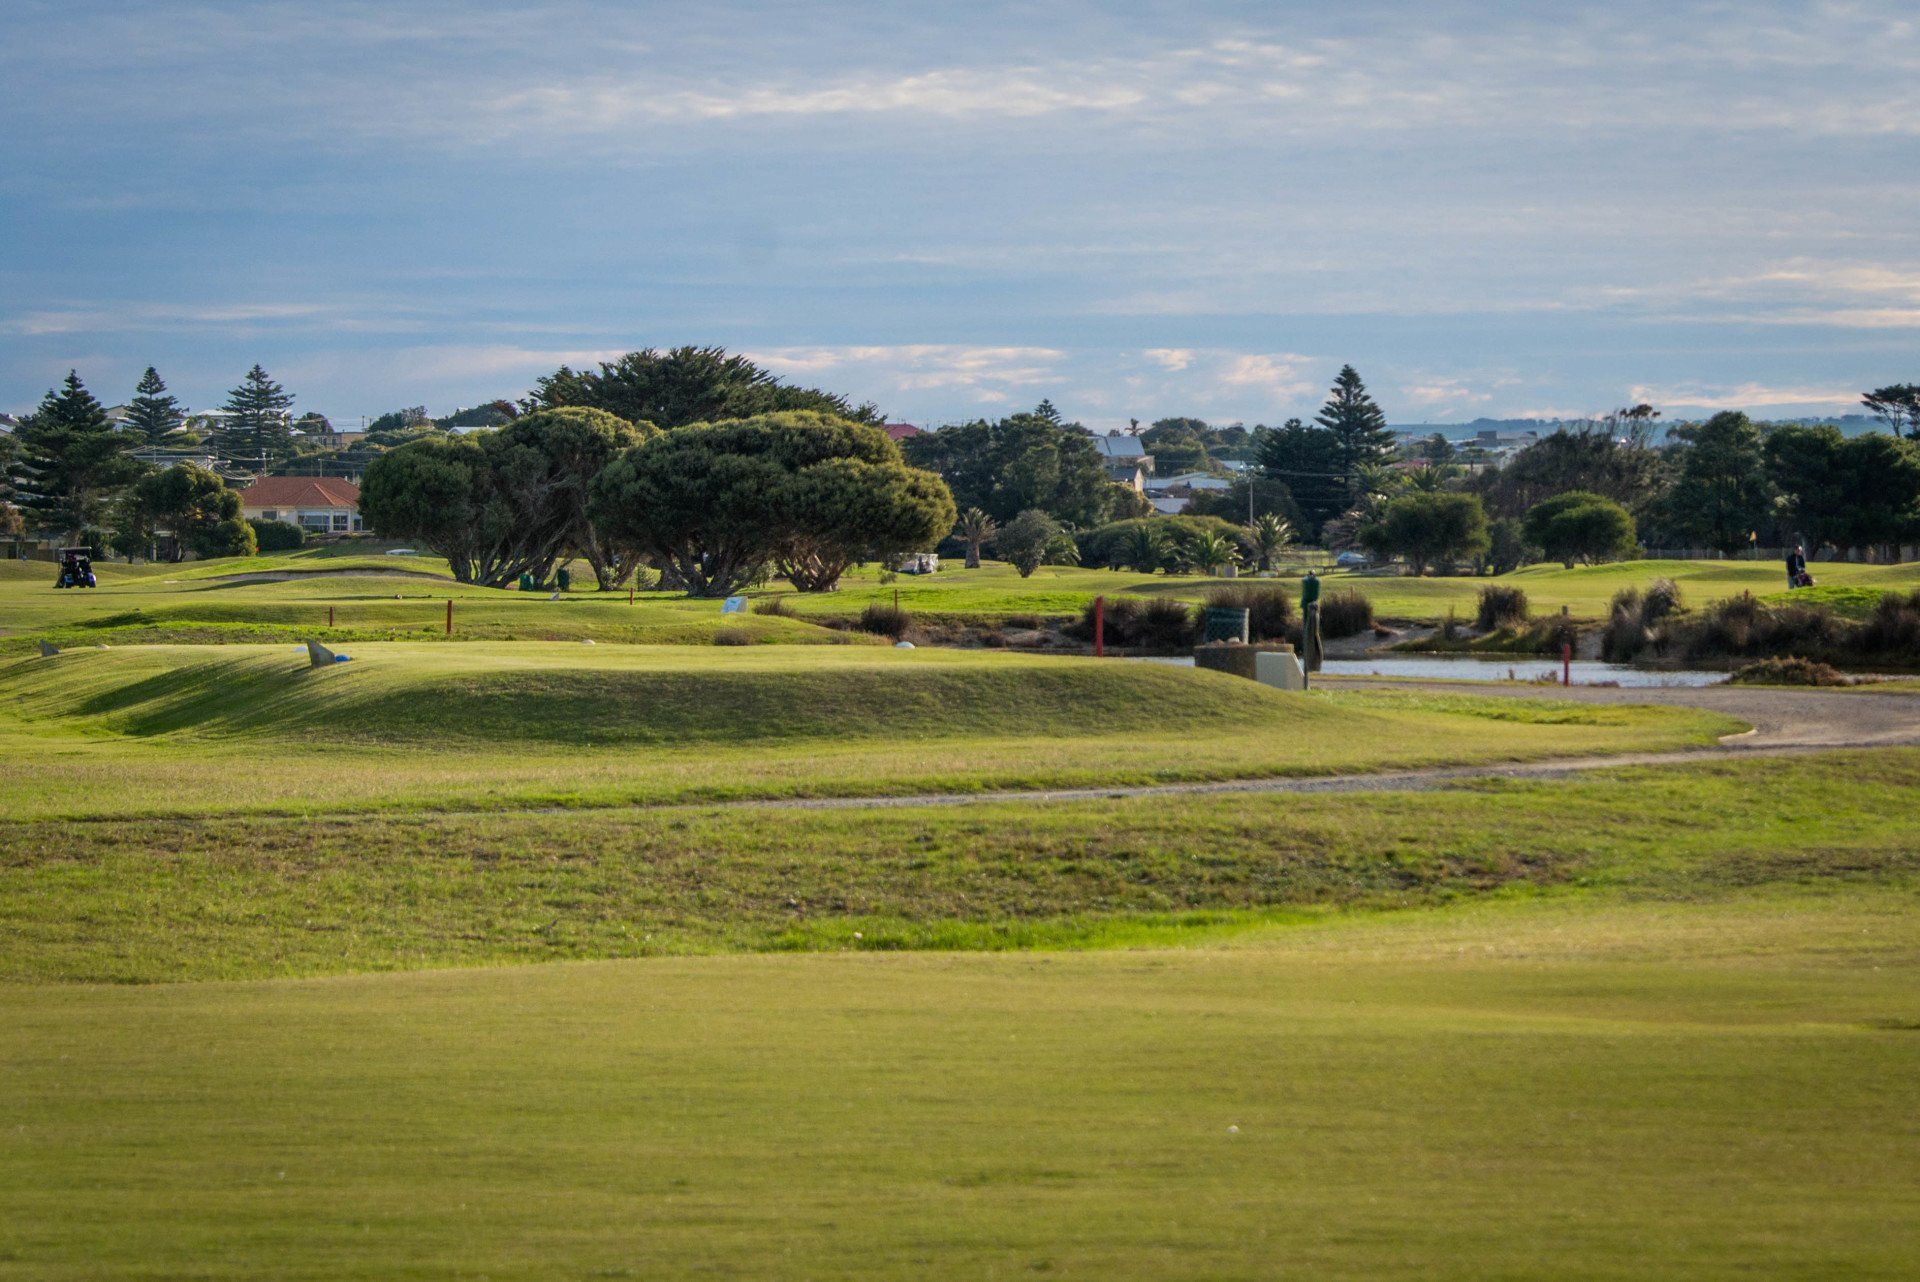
[
  {"x": 814, "y": 492},
  {"x": 1722, "y": 496},
  {"x": 684, "y": 386},
  {"x": 1268, "y": 498},
  {"x": 153, "y": 416},
  {"x": 1266, "y": 538},
  {"x": 1578, "y": 526},
  {"x": 192, "y": 504},
  {"x": 442, "y": 491},
  {"x": 976, "y": 529},
  {"x": 257, "y": 431},
  {"x": 1124, "y": 502},
  {"x": 1031, "y": 460},
  {"x": 544, "y": 463},
  {"x": 1898, "y": 406},
  {"x": 1507, "y": 546},
  {"x": 1881, "y": 478},
  {"x": 1207, "y": 552},
  {"x": 1613, "y": 458},
  {"x": 1804, "y": 464},
  {"x": 1025, "y": 540},
  {"x": 1308, "y": 463},
  {"x": 1437, "y": 450},
  {"x": 69, "y": 461},
  {"x": 1358, "y": 425},
  {"x": 1428, "y": 478},
  {"x": 1429, "y": 529}
]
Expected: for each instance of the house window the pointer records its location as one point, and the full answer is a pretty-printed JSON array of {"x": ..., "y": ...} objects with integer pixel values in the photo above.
[
  {"x": 340, "y": 520},
  {"x": 321, "y": 522},
  {"x": 271, "y": 514}
]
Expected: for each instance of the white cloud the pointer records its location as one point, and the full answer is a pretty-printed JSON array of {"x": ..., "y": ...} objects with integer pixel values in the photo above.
[
  {"x": 1745, "y": 396},
  {"x": 1170, "y": 358},
  {"x": 1452, "y": 392},
  {"x": 982, "y": 374},
  {"x": 1276, "y": 375}
]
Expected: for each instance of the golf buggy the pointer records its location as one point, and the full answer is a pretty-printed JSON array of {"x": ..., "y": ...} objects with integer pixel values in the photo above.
[{"x": 76, "y": 568}]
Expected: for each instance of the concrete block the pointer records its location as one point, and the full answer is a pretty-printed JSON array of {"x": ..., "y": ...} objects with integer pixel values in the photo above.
[{"x": 1279, "y": 669}]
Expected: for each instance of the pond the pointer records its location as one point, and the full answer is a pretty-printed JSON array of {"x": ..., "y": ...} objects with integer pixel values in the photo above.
[{"x": 1446, "y": 667}]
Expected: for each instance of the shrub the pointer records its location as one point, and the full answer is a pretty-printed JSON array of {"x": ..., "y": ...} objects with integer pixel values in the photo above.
[
  {"x": 1501, "y": 607},
  {"x": 1626, "y": 633},
  {"x": 1166, "y": 624},
  {"x": 1344, "y": 614},
  {"x": 732, "y": 636},
  {"x": 775, "y": 606},
  {"x": 1580, "y": 526},
  {"x": 1741, "y": 625},
  {"x": 1269, "y": 609},
  {"x": 884, "y": 620},
  {"x": 1791, "y": 671},
  {"x": 1145, "y": 544},
  {"x": 1893, "y": 627},
  {"x": 1028, "y": 540},
  {"x": 278, "y": 536},
  {"x": 1661, "y": 601}
]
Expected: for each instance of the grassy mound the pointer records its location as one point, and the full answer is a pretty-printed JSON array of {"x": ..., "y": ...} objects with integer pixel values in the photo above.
[{"x": 492, "y": 694}]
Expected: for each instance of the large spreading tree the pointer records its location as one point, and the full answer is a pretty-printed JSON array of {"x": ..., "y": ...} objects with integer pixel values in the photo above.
[
  {"x": 154, "y": 416},
  {"x": 1034, "y": 460},
  {"x": 1429, "y": 529},
  {"x": 257, "y": 431},
  {"x": 545, "y": 462},
  {"x": 69, "y": 461},
  {"x": 1898, "y": 406},
  {"x": 811, "y": 493},
  {"x": 683, "y": 386},
  {"x": 1580, "y": 526}
]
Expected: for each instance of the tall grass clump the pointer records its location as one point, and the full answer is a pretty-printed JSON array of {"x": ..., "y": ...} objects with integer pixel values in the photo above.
[
  {"x": 1345, "y": 614},
  {"x": 1501, "y": 606},
  {"x": 1893, "y": 628},
  {"x": 884, "y": 620},
  {"x": 1742, "y": 625},
  {"x": 1269, "y": 609},
  {"x": 775, "y": 606},
  {"x": 1638, "y": 621},
  {"x": 1152, "y": 623}
]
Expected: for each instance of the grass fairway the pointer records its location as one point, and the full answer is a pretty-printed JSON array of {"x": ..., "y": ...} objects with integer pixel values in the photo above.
[
  {"x": 374, "y": 598},
  {"x": 194, "y": 730},
  {"x": 1716, "y": 1090}
]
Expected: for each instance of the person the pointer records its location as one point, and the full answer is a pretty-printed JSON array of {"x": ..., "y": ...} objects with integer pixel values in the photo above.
[
  {"x": 1310, "y": 622},
  {"x": 1796, "y": 566}
]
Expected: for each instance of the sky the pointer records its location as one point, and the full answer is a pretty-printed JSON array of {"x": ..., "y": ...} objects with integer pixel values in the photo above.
[{"x": 956, "y": 209}]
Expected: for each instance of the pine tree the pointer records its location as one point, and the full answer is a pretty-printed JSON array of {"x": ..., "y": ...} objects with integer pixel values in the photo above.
[
  {"x": 1356, "y": 422},
  {"x": 70, "y": 461},
  {"x": 152, "y": 415},
  {"x": 259, "y": 432}
]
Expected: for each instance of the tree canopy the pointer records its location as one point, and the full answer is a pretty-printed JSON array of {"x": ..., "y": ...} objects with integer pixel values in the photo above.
[
  {"x": 1580, "y": 526},
  {"x": 154, "y": 416},
  {"x": 1308, "y": 466},
  {"x": 69, "y": 461},
  {"x": 545, "y": 463},
  {"x": 192, "y": 504},
  {"x": 1032, "y": 460},
  {"x": 810, "y": 492},
  {"x": 257, "y": 431},
  {"x": 684, "y": 386},
  {"x": 1429, "y": 529},
  {"x": 1721, "y": 496},
  {"x": 1898, "y": 406}
]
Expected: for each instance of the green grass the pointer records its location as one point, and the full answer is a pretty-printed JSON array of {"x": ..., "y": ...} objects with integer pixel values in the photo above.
[
  {"x": 226, "y": 898},
  {"x": 1515, "y": 1090},
  {"x": 185, "y": 730},
  {"x": 376, "y": 597}
]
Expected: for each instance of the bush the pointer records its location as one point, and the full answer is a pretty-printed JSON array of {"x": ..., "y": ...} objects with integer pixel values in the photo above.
[
  {"x": 278, "y": 536},
  {"x": 1626, "y": 633},
  {"x": 1269, "y": 609},
  {"x": 1147, "y": 544},
  {"x": 1029, "y": 541},
  {"x": 1581, "y": 526},
  {"x": 1791, "y": 671},
  {"x": 1501, "y": 607},
  {"x": 775, "y": 606},
  {"x": 732, "y": 636},
  {"x": 1344, "y": 614},
  {"x": 1743, "y": 626},
  {"x": 1893, "y": 627},
  {"x": 1661, "y": 601},
  {"x": 884, "y": 620},
  {"x": 1167, "y": 624}
]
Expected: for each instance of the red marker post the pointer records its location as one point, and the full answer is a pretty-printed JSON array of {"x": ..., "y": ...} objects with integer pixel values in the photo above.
[
  {"x": 449, "y": 616},
  {"x": 1566, "y": 656},
  {"x": 329, "y": 616},
  {"x": 1099, "y": 626}
]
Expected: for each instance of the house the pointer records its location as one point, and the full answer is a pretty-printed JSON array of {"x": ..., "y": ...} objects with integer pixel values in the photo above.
[
  {"x": 1187, "y": 483},
  {"x": 1127, "y": 460},
  {"x": 321, "y": 504},
  {"x": 900, "y": 431}
]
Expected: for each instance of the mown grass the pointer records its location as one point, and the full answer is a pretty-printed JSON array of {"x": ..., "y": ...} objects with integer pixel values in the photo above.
[
  {"x": 1547, "y": 1089},
  {"x": 194, "y": 730},
  {"x": 381, "y": 597},
  {"x": 153, "y": 900}
]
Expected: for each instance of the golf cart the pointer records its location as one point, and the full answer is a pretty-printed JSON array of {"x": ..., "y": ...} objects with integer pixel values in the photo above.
[{"x": 76, "y": 568}]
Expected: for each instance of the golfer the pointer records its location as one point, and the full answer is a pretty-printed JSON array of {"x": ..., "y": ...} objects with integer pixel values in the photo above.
[{"x": 1796, "y": 566}]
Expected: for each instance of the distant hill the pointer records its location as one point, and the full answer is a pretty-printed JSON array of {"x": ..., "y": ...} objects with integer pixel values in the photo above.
[{"x": 1851, "y": 424}]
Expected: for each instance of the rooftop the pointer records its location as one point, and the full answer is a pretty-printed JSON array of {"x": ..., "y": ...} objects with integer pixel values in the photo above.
[{"x": 301, "y": 491}]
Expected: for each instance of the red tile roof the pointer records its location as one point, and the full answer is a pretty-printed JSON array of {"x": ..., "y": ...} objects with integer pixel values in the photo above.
[
  {"x": 900, "y": 431},
  {"x": 301, "y": 491}
]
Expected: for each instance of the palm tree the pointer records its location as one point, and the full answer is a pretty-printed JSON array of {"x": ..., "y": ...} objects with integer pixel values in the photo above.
[
  {"x": 1429, "y": 478},
  {"x": 1207, "y": 552},
  {"x": 1266, "y": 537},
  {"x": 1144, "y": 550},
  {"x": 1373, "y": 483},
  {"x": 974, "y": 529}
]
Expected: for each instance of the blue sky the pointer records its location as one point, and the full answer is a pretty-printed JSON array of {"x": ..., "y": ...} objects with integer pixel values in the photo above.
[{"x": 1134, "y": 209}]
